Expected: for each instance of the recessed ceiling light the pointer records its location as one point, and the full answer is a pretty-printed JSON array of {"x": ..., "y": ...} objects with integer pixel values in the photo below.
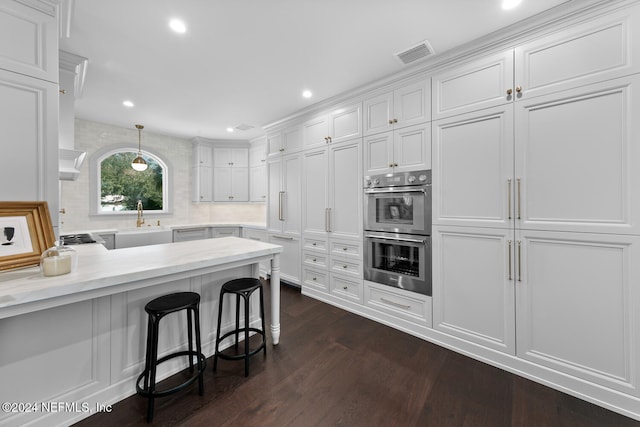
[
  {"x": 229, "y": 129},
  {"x": 127, "y": 103},
  {"x": 307, "y": 94},
  {"x": 510, "y": 4},
  {"x": 177, "y": 26}
]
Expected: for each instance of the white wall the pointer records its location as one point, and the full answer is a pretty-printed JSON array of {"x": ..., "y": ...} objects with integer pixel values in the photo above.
[{"x": 93, "y": 136}]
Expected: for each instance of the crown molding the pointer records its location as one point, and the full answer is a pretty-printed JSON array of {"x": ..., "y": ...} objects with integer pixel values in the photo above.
[{"x": 50, "y": 7}]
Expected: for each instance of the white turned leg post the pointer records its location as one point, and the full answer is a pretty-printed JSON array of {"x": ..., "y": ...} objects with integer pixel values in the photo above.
[{"x": 275, "y": 298}]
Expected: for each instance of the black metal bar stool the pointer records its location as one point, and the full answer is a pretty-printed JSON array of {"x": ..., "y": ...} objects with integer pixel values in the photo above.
[
  {"x": 243, "y": 287},
  {"x": 157, "y": 309}
]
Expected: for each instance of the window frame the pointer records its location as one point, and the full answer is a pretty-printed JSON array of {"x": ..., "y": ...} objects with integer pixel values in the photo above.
[{"x": 95, "y": 181}]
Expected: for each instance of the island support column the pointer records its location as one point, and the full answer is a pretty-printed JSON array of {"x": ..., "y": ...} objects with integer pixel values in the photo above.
[{"x": 275, "y": 298}]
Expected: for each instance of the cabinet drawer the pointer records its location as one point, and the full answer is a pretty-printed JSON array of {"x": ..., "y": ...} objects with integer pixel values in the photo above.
[
  {"x": 346, "y": 288},
  {"x": 253, "y": 234},
  {"x": 314, "y": 244},
  {"x": 349, "y": 267},
  {"x": 399, "y": 303},
  {"x": 314, "y": 259},
  {"x": 346, "y": 248},
  {"x": 226, "y": 232},
  {"x": 187, "y": 234},
  {"x": 315, "y": 279}
]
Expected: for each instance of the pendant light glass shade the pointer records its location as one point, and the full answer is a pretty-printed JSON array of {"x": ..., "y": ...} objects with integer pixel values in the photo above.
[{"x": 138, "y": 163}]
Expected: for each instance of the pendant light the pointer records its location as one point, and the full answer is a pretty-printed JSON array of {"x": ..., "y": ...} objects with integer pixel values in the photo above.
[{"x": 138, "y": 163}]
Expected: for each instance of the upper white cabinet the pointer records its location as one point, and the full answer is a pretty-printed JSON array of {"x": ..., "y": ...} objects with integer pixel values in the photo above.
[
  {"x": 258, "y": 171},
  {"x": 230, "y": 174},
  {"x": 341, "y": 124},
  {"x": 202, "y": 172},
  {"x": 286, "y": 141},
  {"x": 601, "y": 49},
  {"x": 406, "y": 105},
  {"x": 29, "y": 39},
  {"x": 401, "y": 150}
]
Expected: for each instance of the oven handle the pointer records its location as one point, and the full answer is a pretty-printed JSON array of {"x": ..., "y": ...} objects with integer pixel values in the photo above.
[
  {"x": 398, "y": 239},
  {"x": 395, "y": 190}
]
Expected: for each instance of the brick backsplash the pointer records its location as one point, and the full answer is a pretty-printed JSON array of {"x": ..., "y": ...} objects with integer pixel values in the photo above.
[{"x": 93, "y": 136}]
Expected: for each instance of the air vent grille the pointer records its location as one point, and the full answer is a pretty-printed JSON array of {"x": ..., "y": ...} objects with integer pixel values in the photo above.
[
  {"x": 415, "y": 53},
  {"x": 244, "y": 127}
]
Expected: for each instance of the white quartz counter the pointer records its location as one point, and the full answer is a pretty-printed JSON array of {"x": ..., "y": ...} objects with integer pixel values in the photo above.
[{"x": 101, "y": 272}]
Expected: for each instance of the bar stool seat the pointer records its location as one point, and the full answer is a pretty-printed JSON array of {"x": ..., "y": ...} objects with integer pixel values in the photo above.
[
  {"x": 157, "y": 309},
  {"x": 241, "y": 288}
]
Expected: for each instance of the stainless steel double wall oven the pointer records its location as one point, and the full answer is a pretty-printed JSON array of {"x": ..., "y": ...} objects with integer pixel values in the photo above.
[{"x": 397, "y": 230}]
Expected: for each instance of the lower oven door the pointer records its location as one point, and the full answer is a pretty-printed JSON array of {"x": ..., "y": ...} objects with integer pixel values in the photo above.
[{"x": 400, "y": 260}]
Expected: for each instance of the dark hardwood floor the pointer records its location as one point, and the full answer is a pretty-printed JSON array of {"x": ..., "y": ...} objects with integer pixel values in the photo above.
[{"x": 334, "y": 368}]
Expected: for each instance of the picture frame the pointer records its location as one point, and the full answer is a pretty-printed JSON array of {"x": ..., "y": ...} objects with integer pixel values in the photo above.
[
  {"x": 25, "y": 233},
  {"x": 394, "y": 211}
]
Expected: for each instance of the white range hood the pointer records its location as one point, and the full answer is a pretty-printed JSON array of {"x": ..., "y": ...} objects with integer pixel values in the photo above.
[{"x": 70, "y": 162}]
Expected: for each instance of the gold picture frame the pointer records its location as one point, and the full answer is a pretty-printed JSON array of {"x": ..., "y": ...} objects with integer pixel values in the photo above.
[{"x": 25, "y": 233}]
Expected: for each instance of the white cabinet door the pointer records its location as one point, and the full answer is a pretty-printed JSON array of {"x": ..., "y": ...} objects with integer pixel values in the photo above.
[
  {"x": 222, "y": 179},
  {"x": 345, "y": 123},
  {"x": 378, "y": 153},
  {"x": 258, "y": 184},
  {"x": 202, "y": 184},
  {"x": 230, "y": 157},
  {"x": 290, "y": 258},
  {"x": 274, "y": 144},
  {"x": 412, "y": 148},
  {"x": 202, "y": 155},
  {"x": 482, "y": 83},
  {"x": 378, "y": 113},
  {"x": 473, "y": 163},
  {"x": 345, "y": 189},
  {"x": 577, "y": 303},
  {"x": 276, "y": 195},
  {"x": 473, "y": 285},
  {"x": 566, "y": 59},
  {"x": 240, "y": 184},
  {"x": 412, "y": 104},
  {"x": 29, "y": 43},
  {"x": 29, "y": 125},
  {"x": 292, "y": 194},
  {"x": 577, "y": 159},
  {"x": 315, "y": 184},
  {"x": 292, "y": 139},
  {"x": 258, "y": 154},
  {"x": 316, "y": 131}
]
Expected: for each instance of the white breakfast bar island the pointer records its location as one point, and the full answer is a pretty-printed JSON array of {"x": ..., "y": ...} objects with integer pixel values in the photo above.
[{"x": 73, "y": 345}]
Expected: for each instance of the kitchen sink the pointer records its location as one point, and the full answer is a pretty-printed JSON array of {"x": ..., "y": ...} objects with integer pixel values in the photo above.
[{"x": 142, "y": 236}]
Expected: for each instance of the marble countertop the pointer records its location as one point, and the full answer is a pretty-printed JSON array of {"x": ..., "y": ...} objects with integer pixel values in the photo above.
[
  {"x": 253, "y": 225},
  {"x": 102, "y": 272}
]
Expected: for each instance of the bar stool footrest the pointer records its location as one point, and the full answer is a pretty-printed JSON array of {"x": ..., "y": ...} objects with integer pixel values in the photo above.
[
  {"x": 243, "y": 355},
  {"x": 141, "y": 391}
]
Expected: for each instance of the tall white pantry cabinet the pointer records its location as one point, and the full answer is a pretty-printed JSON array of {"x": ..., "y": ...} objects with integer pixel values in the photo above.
[
  {"x": 29, "y": 102},
  {"x": 536, "y": 212}
]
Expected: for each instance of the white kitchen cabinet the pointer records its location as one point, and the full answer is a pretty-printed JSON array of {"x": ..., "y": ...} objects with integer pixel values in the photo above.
[
  {"x": 202, "y": 170},
  {"x": 405, "y": 105},
  {"x": 230, "y": 174},
  {"x": 577, "y": 305},
  {"x": 286, "y": 141},
  {"x": 339, "y": 125},
  {"x": 225, "y": 232},
  {"x": 556, "y": 62},
  {"x": 577, "y": 159},
  {"x": 395, "y": 303},
  {"x": 473, "y": 285},
  {"x": 473, "y": 169},
  {"x": 191, "y": 233},
  {"x": 258, "y": 184},
  {"x": 283, "y": 211},
  {"x": 30, "y": 30},
  {"x": 402, "y": 150},
  {"x": 258, "y": 153},
  {"x": 290, "y": 258}
]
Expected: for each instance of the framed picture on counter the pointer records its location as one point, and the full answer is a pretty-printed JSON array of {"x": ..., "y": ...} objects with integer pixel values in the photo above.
[{"x": 25, "y": 233}]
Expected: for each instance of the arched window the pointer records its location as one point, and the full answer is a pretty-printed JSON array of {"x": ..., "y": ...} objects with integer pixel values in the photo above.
[{"x": 118, "y": 186}]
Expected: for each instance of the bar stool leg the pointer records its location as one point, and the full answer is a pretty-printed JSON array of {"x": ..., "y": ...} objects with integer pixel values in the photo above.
[
  {"x": 215, "y": 355},
  {"x": 190, "y": 338},
  {"x": 264, "y": 331},
  {"x": 152, "y": 373},
  {"x": 237, "y": 319},
  {"x": 196, "y": 315},
  {"x": 246, "y": 333}
]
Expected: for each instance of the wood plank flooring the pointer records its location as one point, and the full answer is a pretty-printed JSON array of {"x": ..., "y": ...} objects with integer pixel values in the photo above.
[{"x": 334, "y": 368}]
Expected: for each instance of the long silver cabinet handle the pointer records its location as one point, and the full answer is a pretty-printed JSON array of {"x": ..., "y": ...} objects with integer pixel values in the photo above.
[
  {"x": 518, "y": 183},
  {"x": 395, "y": 238},
  {"x": 519, "y": 261},
  {"x": 509, "y": 246},
  {"x": 326, "y": 220},
  {"x": 282, "y": 237},
  {"x": 280, "y": 205},
  {"x": 395, "y": 303},
  {"x": 397, "y": 190},
  {"x": 509, "y": 197}
]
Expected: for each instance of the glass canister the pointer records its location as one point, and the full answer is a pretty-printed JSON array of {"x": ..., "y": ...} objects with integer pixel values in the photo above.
[{"x": 58, "y": 260}]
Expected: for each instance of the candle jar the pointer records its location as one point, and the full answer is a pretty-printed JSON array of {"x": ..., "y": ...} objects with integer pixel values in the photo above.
[{"x": 58, "y": 260}]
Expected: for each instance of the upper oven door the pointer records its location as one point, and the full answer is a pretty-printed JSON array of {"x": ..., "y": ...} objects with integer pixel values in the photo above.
[{"x": 398, "y": 209}]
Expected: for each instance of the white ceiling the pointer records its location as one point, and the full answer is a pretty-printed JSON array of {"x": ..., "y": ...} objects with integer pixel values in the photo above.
[{"x": 248, "y": 61}]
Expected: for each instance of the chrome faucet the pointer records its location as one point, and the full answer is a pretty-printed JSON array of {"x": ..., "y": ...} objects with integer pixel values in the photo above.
[{"x": 140, "y": 219}]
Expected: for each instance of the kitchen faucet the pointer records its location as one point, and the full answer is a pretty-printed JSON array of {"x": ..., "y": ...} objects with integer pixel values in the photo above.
[{"x": 140, "y": 219}]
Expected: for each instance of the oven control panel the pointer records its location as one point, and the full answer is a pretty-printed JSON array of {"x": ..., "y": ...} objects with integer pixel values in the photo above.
[{"x": 400, "y": 179}]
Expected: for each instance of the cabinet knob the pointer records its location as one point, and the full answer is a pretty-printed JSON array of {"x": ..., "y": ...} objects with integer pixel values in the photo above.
[
  {"x": 314, "y": 260},
  {"x": 390, "y": 165},
  {"x": 282, "y": 149},
  {"x": 519, "y": 89},
  {"x": 395, "y": 120},
  {"x": 345, "y": 287},
  {"x": 344, "y": 249},
  {"x": 326, "y": 139},
  {"x": 344, "y": 266},
  {"x": 390, "y": 121},
  {"x": 329, "y": 138},
  {"x": 509, "y": 91},
  {"x": 314, "y": 244},
  {"x": 314, "y": 279}
]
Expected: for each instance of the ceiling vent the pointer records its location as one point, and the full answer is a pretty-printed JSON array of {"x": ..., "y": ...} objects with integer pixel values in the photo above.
[
  {"x": 415, "y": 53},
  {"x": 243, "y": 127}
]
